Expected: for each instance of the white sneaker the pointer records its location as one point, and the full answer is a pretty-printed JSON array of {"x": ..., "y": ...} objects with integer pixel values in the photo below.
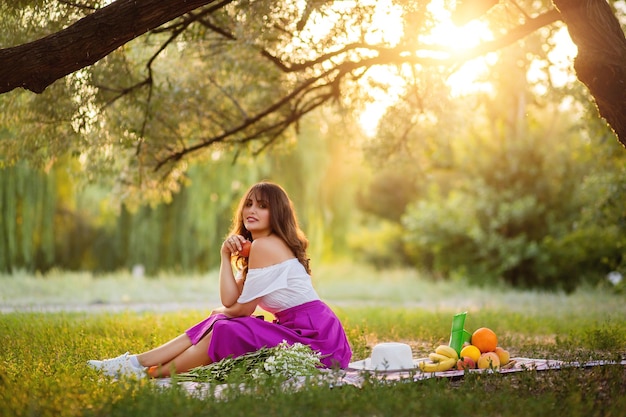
[{"x": 117, "y": 367}]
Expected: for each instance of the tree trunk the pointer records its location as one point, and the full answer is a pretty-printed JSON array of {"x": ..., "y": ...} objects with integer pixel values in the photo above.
[
  {"x": 601, "y": 60},
  {"x": 36, "y": 65}
]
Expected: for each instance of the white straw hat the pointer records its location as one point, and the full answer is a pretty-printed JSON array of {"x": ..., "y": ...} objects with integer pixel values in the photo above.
[{"x": 390, "y": 356}]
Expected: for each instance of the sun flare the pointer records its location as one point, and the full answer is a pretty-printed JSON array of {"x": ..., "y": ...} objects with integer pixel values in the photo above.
[
  {"x": 447, "y": 41},
  {"x": 455, "y": 39},
  {"x": 450, "y": 41}
]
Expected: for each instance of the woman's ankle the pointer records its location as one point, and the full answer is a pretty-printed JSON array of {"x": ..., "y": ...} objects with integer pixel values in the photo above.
[{"x": 134, "y": 360}]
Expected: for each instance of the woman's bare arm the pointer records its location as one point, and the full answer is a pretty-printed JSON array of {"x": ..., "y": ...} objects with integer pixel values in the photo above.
[
  {"x": 240, "y": 309},
  {"x": 230, "y": 289}
]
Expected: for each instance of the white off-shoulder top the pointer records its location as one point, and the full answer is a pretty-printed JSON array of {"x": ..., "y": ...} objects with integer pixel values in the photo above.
[{"x": 279, "y": 287}]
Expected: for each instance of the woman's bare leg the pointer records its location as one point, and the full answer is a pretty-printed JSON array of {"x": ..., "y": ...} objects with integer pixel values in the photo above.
[
  {"x": 166, "y": 352},
  {"x": 194, "y": 356}
]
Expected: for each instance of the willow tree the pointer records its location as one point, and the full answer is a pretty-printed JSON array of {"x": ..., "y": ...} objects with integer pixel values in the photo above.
[{"x": 139, "y": 87}]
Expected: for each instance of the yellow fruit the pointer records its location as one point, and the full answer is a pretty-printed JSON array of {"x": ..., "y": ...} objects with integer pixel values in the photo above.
[
  {"x": 428, "y": 366},
  {"x": 488, "y": 360},
  {"x": 485, "y": 339},
  {"x": 470, "y": 351},
  {"x": 436, "y": 357},
  {"x": 503, "y": 355},
  {"x": 447, "y": 351}
]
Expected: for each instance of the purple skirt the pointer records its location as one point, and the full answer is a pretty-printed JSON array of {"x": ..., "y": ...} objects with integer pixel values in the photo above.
[{"x": 312, "y": 323}]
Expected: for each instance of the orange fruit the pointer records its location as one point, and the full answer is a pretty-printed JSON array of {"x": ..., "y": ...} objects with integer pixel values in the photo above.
[{"x": 485, "y": 340}]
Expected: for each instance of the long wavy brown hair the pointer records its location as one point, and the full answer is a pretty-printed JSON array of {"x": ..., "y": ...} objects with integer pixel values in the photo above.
[{"x": 283, "y": 222}]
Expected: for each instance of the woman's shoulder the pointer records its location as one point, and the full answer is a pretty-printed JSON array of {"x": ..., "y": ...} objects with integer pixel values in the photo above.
[
  {"x": 269, "y": 240},
  {"x": 267, "y": 251},
  {"x": 286, "y": 265}
]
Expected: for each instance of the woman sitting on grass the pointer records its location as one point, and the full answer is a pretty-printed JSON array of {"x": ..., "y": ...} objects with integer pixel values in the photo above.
[{"x": 275, "y": 276}]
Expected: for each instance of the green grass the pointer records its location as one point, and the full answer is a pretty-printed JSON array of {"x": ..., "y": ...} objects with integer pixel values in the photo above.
[{"x": 43, "y": 354}]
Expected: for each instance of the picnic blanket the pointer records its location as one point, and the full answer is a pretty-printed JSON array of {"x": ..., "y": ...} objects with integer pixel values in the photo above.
[{"x": 356, "y": 377}]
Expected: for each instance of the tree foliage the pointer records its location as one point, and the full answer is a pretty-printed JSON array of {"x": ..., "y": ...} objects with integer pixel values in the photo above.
[
  {"x": 28, "y": 202},
  {"x": 182, "y": 102},
  {"x": 53, "y": 220},
  {"x": 517, "y": 190},
  {"x": 237, "y": 73}
]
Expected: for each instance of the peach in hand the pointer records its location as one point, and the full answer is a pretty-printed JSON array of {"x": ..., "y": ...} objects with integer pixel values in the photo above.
[{"x": 245, "y": 249}]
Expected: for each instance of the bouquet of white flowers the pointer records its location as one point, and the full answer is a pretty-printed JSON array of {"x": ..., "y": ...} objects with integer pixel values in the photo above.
[{"x": 283, "y": 361}]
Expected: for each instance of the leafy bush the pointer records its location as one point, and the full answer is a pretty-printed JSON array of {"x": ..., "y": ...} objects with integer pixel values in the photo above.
[
  {"x": 381, "y": 245},
  {"x": 530, "y": 219}
]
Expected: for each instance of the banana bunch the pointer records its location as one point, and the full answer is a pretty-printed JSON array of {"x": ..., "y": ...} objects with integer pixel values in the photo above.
[{"x": 442, "y": 359}]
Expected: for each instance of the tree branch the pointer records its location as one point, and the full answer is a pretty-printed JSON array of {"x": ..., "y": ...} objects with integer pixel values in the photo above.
[
  {"x": 515, "y": 34},
  {"x": 36, "y": 65},
  {"x": 303, "y": 89},
  {"x": 385, "y": 56}
]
